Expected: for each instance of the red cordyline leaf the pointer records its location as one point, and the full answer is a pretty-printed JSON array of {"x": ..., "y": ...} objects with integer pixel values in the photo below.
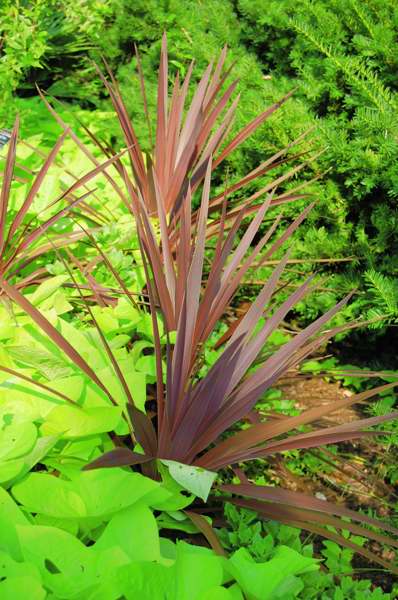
[{"x": 187, "y": 135}]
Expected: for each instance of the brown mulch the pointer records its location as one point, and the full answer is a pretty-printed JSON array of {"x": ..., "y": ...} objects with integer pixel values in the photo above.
[{"x": 354, "y": 481}]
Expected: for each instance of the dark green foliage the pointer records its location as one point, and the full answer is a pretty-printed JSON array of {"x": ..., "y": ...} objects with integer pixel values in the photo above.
[
  {"x": 42, "y": 40},
  {"x": 344, "y": 56}
]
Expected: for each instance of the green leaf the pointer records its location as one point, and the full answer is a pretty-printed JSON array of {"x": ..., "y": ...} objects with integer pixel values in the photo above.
[
  {"x": 136, "y": 383},
  {"x": 145, "y": 326},
  {"x": 165, "y": 521},
  {"x": 66, "y": 565},
  {"x": 49, "y": 365},
  {"x": 134, "y": 530},
  {"x": 269, "y": 580},
  {"x": 17, "y": 439},
  {"x": 197, "y": 570},
  {"x": 99, "y": 493},
  {"x": 78, "y": 422},
  {"x": 9, "y": 541},
  {"x": 45, "y": 494},
  {"x": 146, "y": 581},
  {"x": 16, "y": 587},
  {"x": 46, "y": 290},
  {"x": 105, "y": 318},
  {"x": 10, "y": 469},
  {"x": 124, "y": 310},
  {"x": 73, "y": 386},
  {"x": 146, "y": 364},
  {"x": 9, "y": 509},
  {"x": 194, "y": 479},
  {"x": 218, "y": 593},
  {"x": 40, "y": 450}
]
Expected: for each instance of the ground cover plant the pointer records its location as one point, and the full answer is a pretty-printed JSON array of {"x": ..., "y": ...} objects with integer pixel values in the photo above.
[{"x": 118, "y": 379}]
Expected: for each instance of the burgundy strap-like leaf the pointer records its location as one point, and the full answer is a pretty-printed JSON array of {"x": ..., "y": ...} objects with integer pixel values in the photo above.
[
  {"x": 225, "y": 451},
  {"x": 42, "y": 386},
  {"x": 6, "y": 184},
  {"x": 118, "y": 457},
  {"x": 300, "y": 500},
  {"x": 207, "y": 530},
  {"x": 250, "y": 128},
  {"x": 143, "y": 430},
  {"x": 37, "y": 183}
]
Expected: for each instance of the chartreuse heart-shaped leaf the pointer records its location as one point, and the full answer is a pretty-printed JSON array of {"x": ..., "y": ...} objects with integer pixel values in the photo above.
[
  {"x": 196, "y": 571},
  {"x": 45, "y": 494},
  {"x": 143, "y": 580},
  {"x": 10, "y": 517},
  {"x": 136, "y": 383},
  {"x": 98, "y": 493},
  {"x": 196, "y": 574},
  {"x": 47, "y": 364},
  {"x": 127, "y": 559},
  {"x": 47, "y": 288},
  {"x": 106, "y": 491},
  {"x": 20, "y": 583},
  {"x": 13, "y": 470},
  {"x": 9, "y": 541},
  {"x": 221, "y": 593},
  {"x": 194, "y": 479},
  {"x": 273, "y": 580},
  {"x": 10, "y": 469},
  {"x": 9, "y": 509},
  {"x": 75, "y": 422},
  {"x": 16, "y": 439},
  {"x": 66, "y": 565},
  {"x": 16, "y": 587},
  {"x": 135, "y": 531}
]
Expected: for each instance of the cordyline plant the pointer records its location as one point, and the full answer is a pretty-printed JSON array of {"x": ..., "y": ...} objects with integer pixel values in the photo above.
[
  {"x": 196, "y": 417},
  {"x": 23, "y": 239}
]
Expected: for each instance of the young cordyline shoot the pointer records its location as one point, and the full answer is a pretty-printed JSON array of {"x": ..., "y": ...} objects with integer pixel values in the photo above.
[
  {"x": 196, "y": 416},
  {"x": 23, "y": 232}
]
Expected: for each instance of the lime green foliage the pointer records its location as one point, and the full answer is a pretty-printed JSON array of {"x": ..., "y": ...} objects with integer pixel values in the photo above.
[
  {"x": 37, "y": 425},
  {"x": 22, "y": 46},
  {"x": 126, "y": 557},
  {"x": 40, "y": 39},
  {"x": 262, "y": 539},
  {"x": 108, "y": 222}
]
